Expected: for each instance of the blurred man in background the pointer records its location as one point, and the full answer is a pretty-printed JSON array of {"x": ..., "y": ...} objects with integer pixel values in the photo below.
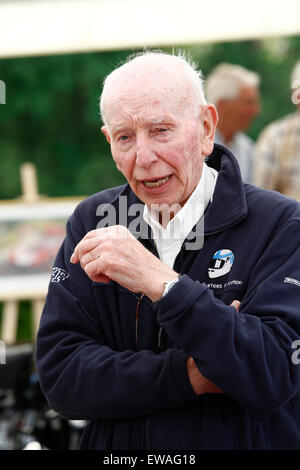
[
  {"x": 277, "y": 161},
  {"x": 234, "y": 91}
]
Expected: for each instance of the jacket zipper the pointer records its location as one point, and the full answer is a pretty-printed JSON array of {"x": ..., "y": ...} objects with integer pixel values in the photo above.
[
  {"x": 138, "y": 305},
  {"x": 161, "y": 330},
  {"x": 137, "y": 318}
]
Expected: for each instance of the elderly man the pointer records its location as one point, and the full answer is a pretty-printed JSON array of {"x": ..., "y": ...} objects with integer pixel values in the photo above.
[
  {"x": 234, "y": 91},
  {"x": 160, "y": 339}
]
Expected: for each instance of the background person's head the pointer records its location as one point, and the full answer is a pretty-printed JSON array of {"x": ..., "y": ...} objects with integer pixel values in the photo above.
[
  {"x": 295, "y": 84},
  {"x": 234, "y": 91},
  {"x": 159, "y": 126}
]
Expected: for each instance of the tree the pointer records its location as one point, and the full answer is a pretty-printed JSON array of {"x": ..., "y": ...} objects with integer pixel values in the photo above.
[{"x": 51, "y": 116}]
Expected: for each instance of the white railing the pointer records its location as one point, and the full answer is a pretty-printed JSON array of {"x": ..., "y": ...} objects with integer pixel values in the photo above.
[{"x": 17, "y": 286}]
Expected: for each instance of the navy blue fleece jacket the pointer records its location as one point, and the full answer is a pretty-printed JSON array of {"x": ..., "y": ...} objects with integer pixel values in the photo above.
[{"x": 134, "y": 390}]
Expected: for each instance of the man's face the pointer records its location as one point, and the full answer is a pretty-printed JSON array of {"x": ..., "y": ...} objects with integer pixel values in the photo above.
[
  {"x": 242, "y": 109},
  {"x": 158, "y": 141}
]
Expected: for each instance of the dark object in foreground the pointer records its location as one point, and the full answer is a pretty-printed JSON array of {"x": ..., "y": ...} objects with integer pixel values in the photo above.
[{"x": 25, "y": 416}]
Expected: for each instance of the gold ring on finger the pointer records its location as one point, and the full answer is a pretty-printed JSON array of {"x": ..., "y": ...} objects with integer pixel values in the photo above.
[{"x": 91, "y": 256}]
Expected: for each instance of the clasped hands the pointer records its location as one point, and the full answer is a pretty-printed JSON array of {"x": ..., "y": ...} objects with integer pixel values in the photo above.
[{"x": 113, "y": 253}]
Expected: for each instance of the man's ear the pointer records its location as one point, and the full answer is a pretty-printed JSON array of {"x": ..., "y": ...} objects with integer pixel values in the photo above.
[
  {"x": 104, "y": 129},
  {"x": 209, "y": 118}
]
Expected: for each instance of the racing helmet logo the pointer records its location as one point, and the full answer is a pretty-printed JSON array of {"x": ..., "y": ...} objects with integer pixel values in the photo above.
[{"x": 221, "y": 263}]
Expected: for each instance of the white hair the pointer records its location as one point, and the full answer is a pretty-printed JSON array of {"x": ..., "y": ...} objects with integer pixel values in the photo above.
[
  {"x": 181, "y": 60},
  {"x": 227, "y": 80},
  {"x": 295, "y": 75}
]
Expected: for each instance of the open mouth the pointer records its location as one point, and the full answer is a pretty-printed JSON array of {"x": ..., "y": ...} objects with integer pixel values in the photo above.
[{"x": 156, "y": 183}]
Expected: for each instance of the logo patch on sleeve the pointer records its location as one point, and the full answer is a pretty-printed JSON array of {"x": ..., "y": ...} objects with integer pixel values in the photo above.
[
  {"x": 59, "y": 274},
  {"x": 290, "y": 280}
]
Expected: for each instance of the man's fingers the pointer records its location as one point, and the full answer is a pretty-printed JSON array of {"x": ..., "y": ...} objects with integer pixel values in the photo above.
[
  {"x": 84, "y": 246},
  {"x": 236, "y": 304},
  {"x": 74, "y": 258},
  {"x": 93, "y": 270},
  {"x": 102, "y": 278},
  {"x": 199, "y": 382},
  {"x": 94, "y": 237}
]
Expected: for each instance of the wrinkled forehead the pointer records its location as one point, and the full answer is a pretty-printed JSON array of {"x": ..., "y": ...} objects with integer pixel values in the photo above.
[{"x": 146, "y": 90}]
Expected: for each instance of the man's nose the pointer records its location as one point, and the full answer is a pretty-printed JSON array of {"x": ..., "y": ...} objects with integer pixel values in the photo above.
[{"x": 145, "y": 154}]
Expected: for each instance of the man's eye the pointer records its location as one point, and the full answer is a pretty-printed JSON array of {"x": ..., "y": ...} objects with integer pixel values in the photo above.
[{"x": 123, "y": 138}]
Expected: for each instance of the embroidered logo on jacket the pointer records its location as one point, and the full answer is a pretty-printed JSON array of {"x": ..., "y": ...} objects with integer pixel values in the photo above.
[
  {"x": 221, "y": 263},
  {"x": 59, "y": 274},
  {"x": 290, "y": 280}
]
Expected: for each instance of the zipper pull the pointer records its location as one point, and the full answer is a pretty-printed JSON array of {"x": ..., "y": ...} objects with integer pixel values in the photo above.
[
  {"x": 137, "y": 317},
  {"x": 159, "y": 337}
]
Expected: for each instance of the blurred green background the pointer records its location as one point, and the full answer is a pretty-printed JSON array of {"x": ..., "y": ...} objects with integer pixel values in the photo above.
[{"x": 51, "y": 116}]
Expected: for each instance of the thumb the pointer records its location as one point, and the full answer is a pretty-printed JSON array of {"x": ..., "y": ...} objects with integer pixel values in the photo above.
[{"x": 236, "y": 304}]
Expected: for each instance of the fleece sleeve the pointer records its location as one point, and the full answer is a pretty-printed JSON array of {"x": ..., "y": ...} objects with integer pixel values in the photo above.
[
  {"x": 80, "y": 375},
  {"x": 248, "y": 355}
]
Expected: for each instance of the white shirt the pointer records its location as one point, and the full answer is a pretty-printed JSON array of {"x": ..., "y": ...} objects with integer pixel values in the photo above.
[{"x": 169, "y": 240}]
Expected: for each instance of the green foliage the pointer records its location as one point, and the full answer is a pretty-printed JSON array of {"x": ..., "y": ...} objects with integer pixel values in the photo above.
[{"x": 51, "y": 116}]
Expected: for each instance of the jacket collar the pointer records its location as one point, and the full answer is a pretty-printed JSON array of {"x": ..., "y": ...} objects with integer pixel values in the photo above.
[{"x": 229, "y": 204}]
